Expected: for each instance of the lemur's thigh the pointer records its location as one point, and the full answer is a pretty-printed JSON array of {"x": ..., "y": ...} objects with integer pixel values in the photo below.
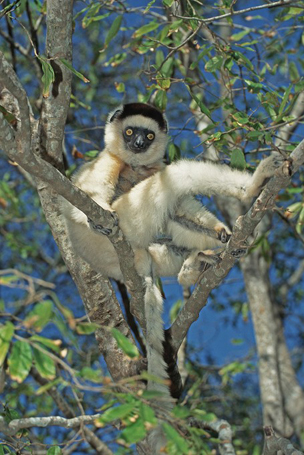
[{"x": 167, "y": 258}]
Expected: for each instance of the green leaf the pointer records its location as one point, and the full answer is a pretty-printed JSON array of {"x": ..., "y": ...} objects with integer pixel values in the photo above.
[
  {"x": 168, "y": 3},
  {"x": 114, "y": 29},
  {"x": 54, "y": 345},
  {"x": 119, "y": 412},
  {"x": 48, "y": 386},
  {"x": 253, "y": 87},
  {"x": 70, "y": 67},
  {"x": 214, "y": 64},
  {"x": 167, "y": 68},
  {"x": 120, "y": 87},
  {"x": 10, "y": 118},
  {"x": 164, "y": 83},
  {"x": 200, "y": 104},
  {"x": 149, "y": 6},
  {"x": 20, "y": 361},
  {"x": 238, "y": 160},
  {"x": 125, "y": 344},
  {"x": 86, "y": 328},
  {"x": 205, "y": 416},
  {"x": 172, "y": 435},
  {"x": 174, "y": 152},
  {"x": 147, "y": 414},
  {"x": 238, "y": 36},
  {"x": 54, "y": 451},
  {"x": 159, "y": 58},
  {"x": 255, "y": 135},
  {"x": 201, "y": 55},
  {"x": 299, "y": 225},
  {"x": 146, "y": 29},
  {"x": 5, "y": 450},
  {"x": 181, "y": 412},
  {"x": 134, "y": 432},
  {"x": 241, "y": 118},
  {"x": 40, "y": 315},
  {"x": 4, "y": 280},
  {"x": 44, "y": 364},
  {"x": 90, "y": 17},
  {"x": 91, "y": 375},
  {"x": 284, "y": 102},
  {"x": 161, "y": 100},
  {"x": 6, "y": 334},
  {"x": 175, "y": 310},
  {"x": 237, "y": 341},
  {"x": 241, "y": 59},
  {"x": 48, "y": 76},
  {"x": 116, "y": 60}
]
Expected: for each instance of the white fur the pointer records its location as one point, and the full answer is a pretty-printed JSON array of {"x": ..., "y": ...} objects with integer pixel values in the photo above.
[
  {"x": 113, "y": 133},
  {"x": 151, "y": 208}
]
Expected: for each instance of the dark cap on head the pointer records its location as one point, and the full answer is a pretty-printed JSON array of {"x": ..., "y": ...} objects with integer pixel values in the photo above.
[{"x": 146, "y": 110}]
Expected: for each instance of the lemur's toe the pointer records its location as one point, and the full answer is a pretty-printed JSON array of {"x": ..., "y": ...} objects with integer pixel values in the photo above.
[
  {"x": 238, "y": 253},
  {"x": 224, "y": 236}
]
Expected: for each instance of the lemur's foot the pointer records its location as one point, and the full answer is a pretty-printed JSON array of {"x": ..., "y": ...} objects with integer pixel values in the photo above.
[
  {"x": 223, "y": 233},
  {"x": 99, "y": 229},
  {"x": 269, "y": 165},
  {"x": 240, "y": 252},
  {"x": 208, "y": 257},
  {"x": 195, "y": 264}
]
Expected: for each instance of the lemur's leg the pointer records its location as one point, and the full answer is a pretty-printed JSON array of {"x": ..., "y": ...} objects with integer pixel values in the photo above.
[
  {"x": 198, "y": 262},
  {"x": 146, "y": 208},
  {"x": 193, "y": 226},
  {"x": 170, "y": 259}
]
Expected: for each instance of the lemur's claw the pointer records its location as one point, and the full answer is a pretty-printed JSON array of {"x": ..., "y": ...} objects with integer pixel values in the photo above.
[
  {"x": 98, "y": 228},
  {"x": 115, "y": 218},
  {"x": 238, "y": 253},
  {"x": 224, "y": 236}
]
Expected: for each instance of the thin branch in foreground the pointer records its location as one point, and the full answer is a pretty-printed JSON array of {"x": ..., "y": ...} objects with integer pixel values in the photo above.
[
  {"x": 16, "y": 425},
  {"x": 242, "y": 11},
  {"x": 273, "y": 444},
  {"x": 223, "y": 429},
  {"x": 244, "y": 227}
]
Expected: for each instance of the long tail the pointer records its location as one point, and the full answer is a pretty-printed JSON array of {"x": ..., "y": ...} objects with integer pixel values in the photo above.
[{"x": 155, "y": 355}]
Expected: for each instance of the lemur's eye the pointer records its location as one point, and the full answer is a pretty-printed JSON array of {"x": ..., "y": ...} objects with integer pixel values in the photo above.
[
  {"x": 129, "y": 132},
  {"x": 150, "y": 136}
]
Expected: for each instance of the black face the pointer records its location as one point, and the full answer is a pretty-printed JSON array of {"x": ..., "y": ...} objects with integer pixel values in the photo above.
[{"x": 138, "y": 139}]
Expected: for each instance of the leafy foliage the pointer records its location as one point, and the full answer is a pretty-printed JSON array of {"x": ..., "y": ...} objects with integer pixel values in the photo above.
[{"x": 230, "y": 93}]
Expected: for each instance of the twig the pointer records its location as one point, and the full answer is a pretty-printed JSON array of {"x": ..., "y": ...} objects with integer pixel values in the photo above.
[
  {"x": 223, "y": 429},
  {"x": 273, "y": 444},
  {"x": 18, "y": 424},
  {"x": 244, "y": 226},
  {"x": 242, "y": 11}
]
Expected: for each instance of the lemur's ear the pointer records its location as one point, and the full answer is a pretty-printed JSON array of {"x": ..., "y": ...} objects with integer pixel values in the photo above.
[{"x": 114, "y": 114}]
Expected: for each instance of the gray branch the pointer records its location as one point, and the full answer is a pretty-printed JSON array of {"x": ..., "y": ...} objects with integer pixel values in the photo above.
[
  {"x": 273, "y": 444},
  {"x": 243, "y": 228},
  {"x": 223, "y": 429},
  {"x": 16, "y": 425}
]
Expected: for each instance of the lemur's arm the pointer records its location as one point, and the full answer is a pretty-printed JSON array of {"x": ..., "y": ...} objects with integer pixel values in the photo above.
[
  {"x": 99, "y": 178},
  {"x": 148, "y": 207}
]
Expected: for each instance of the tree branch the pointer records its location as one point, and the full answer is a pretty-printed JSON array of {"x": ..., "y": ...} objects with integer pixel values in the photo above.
[
  {"x": 222, "y": 428},
  {"x": 273, "y": 444},
  {"x": 16, "y": 425},
  {"x": 89, "y": 435},
  {"x": 244, "y": 227},
  {"x": 50, "y": 175},
  {"x": 241, "y": 11}
]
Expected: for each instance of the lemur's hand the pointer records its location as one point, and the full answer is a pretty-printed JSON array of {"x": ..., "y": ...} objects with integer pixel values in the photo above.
[
  {"x": 268, "y": 166},
  {"x": 99, "y": 229}
]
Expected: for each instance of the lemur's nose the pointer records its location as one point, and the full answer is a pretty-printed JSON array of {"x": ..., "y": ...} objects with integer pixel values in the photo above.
[{"x": 139, "y": 142}]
